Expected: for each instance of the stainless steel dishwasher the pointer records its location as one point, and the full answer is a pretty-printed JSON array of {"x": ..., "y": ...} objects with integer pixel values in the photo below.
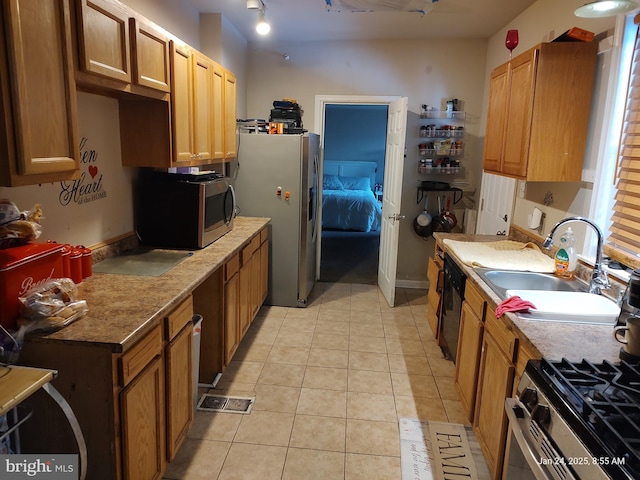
[{"x": 452, "y": 297}]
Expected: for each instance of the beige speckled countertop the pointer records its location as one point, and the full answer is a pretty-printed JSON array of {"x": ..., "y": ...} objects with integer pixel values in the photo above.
[
  {"x": 552, "y": 340},
  {"x": 122, "y": 308}
]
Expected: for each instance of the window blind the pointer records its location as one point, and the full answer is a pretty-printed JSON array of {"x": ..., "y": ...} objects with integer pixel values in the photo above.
[{"x": 623, "y": 243}]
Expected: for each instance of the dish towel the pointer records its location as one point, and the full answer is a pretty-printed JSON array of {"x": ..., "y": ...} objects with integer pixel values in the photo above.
[{"x": 513, "y": 304}]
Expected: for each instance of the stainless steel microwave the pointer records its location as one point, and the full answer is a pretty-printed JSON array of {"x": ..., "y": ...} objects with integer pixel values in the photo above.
[{"x": 183, "y": 211}]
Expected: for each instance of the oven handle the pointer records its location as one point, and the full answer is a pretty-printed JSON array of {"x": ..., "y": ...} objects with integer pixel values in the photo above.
[{"x": 525, "y": 448}]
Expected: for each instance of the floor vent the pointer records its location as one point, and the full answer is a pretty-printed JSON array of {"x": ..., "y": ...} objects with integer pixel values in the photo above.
[{"x": 224, "y": 403}]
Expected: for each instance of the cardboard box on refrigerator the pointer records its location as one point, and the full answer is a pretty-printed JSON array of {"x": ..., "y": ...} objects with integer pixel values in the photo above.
[{"x": 21, "y": 269}]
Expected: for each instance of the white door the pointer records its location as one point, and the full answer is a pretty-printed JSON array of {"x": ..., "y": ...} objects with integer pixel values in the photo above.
[
  {"x": 496, "y": 204},
  {"x": 393, "y": 167}
]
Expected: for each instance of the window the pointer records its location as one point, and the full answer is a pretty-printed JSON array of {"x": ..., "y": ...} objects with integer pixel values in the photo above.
[{"x": 623, "y": 243}]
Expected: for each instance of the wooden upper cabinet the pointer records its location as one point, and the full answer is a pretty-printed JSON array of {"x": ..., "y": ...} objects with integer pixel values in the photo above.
[
  {"x": 203, "y": 106},
  {"x": 218, "y": 136},
  {"x": 150, "y": 56},
  {"x": 103, "y": 39},
  {"x": 496, "y": 118},
  {"x": 518, "y": 128},
  {"x": 230, "y": 116},
  {"x": 39, "y": 140},
  {"x": 539, "y": 110},
  {"x": 182, "y": 103}
]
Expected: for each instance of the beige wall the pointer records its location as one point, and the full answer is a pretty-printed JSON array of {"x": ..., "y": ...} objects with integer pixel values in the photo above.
[{"x": 423, "y": 71}]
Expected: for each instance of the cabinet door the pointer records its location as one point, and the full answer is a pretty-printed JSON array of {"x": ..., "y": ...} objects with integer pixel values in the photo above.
[
  {"x": 218, "y": 112},
  {"x": 435, "y": 276},
  {"x": 518, "y": 127},
  {"x": 264, "y": 271},
  {"x": 202, "y": 106},
  {"x": 232, "y": 333},
  {"x": 496, "y": 118},
  {"x": 103, "y": 37},
  {"x": 143, "y": 424},
  {"x": 181, "y": 103},
  {"x": 256, "y": 283},
  {"x": 494, "y": 386},
  {"x": 38, "y": 95},
  {"x": 150, "y": 56},
  {"x": 468, "y": 358},
  {"x": 245, "y": 295},
  {"x": 179, "y": 385},
  {"x": 229, "y": 115}
]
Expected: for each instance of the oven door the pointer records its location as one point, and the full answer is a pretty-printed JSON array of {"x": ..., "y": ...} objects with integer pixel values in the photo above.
[{"x": 529, "y": 454}]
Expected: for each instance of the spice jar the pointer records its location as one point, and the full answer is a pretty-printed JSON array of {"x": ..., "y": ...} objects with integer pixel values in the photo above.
[
  {"x": 75, "y": 264},
  {"x": 66, "y": 254},
  {"x": 86, "y": 260}
]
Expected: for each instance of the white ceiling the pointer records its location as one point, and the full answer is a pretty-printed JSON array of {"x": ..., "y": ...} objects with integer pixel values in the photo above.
[{"x": 309, "y": 20}]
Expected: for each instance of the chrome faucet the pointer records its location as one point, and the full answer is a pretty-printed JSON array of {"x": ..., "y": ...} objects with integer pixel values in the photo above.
[{"x": 599, "y": 279}]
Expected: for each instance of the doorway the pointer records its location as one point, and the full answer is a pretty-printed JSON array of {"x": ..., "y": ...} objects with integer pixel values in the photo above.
[
  {"x": 351, "y": 256},
  {"x": 354, "y": 148}
]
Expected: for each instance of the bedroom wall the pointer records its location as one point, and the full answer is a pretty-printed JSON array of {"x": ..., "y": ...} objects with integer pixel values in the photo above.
[
  {"x": 356, "y": 133},
  {"x": 425, "y": 71}
]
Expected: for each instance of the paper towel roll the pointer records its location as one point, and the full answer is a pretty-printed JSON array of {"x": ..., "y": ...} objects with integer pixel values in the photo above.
[{"x": 534, "y": 218}]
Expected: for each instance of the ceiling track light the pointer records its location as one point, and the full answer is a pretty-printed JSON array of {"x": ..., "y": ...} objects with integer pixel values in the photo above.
[
  {"x": 262, "y": 27},
  {"x": 605, "y": 8}
]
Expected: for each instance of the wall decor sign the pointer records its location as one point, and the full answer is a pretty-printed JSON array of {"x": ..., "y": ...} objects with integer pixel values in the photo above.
[{"x": 89, "y": 186}]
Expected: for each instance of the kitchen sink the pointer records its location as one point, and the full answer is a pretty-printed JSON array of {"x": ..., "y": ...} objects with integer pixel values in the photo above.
[
  {"x": 502, "y": 280},
  {"x": 556, "y": 299}
]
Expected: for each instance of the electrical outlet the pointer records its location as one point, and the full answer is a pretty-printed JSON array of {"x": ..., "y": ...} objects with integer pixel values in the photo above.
[{"x": 522, "y": 188}]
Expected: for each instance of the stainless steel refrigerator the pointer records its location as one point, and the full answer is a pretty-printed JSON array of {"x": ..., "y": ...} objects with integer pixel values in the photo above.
[{"x": 277, "y": 177}]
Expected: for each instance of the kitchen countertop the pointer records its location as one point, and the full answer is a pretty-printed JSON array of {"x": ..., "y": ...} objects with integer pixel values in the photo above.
[
  {"x": 551, "y": 340},
  {"x": 122, "y": 308}
]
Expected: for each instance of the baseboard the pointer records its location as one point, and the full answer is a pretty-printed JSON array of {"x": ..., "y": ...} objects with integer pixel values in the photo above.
[{"x": 424, "y": 284}]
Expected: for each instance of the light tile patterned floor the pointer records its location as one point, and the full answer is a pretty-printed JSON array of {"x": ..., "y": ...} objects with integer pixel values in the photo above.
[{"x": 330, "y": 383}]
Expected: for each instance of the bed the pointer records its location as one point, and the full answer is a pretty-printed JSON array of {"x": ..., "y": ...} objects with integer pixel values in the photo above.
[{"x": 348, "y": 202}]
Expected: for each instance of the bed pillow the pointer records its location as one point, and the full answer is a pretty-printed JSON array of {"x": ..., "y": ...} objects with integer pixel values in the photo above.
[
  {"x": 356, "y": 183},
  {"x": 331, "y": 182}
]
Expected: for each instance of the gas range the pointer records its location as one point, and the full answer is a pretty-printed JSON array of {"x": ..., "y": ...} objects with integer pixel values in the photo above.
[{"x": 580, "y": 419}]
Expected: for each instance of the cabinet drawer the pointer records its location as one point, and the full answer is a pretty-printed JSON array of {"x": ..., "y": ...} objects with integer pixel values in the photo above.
[
  {"x": 177, "y": 319},
  {"x": 264, "y": 235},
  {"x": 231, "y": 267},
  {"x": 506, "y": 340},
  {"x": 140, "y": 355},
  {"x": 247, "y": 252},
  {"x": 475, "y": 301}
]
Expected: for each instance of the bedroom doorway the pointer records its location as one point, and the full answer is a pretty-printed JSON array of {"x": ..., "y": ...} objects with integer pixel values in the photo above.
[{"x": 353, "y": 140}]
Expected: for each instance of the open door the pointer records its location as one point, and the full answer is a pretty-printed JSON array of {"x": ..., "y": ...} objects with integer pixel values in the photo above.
[
  {"x": 496, "y": 204},
  {"x": 393, "y": 167}
]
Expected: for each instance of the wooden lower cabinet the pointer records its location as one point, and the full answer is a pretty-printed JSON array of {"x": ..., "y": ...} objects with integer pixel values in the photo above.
[
  {"x": 469, "y": 348},
  {"x": 435, "y": 274},
  {"x": 134, "y": 408},
  {"x": 245, "y": 289},
  {"x": 232, "y": 334},
  {"x": 264, "y": 264},
  {"x": 495, "y": 384},
  {"x": 179, "y": 386},
  {"x": 143, "y": 424}
]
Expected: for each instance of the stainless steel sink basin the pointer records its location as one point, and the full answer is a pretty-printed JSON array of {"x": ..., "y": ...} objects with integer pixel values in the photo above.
[
  {"x": 556, "y": 299},
  {"x": 502, "y": 280}
]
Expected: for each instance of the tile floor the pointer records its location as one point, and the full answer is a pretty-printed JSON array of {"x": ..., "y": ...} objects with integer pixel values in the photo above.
[{"x": 330, "y": 383}]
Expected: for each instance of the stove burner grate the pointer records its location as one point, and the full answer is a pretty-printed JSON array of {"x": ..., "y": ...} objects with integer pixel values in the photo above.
[{"x": 607, "y": 398}]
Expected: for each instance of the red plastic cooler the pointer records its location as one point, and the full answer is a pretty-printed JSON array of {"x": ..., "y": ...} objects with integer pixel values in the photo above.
[{"x": 22, "y": 268}]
